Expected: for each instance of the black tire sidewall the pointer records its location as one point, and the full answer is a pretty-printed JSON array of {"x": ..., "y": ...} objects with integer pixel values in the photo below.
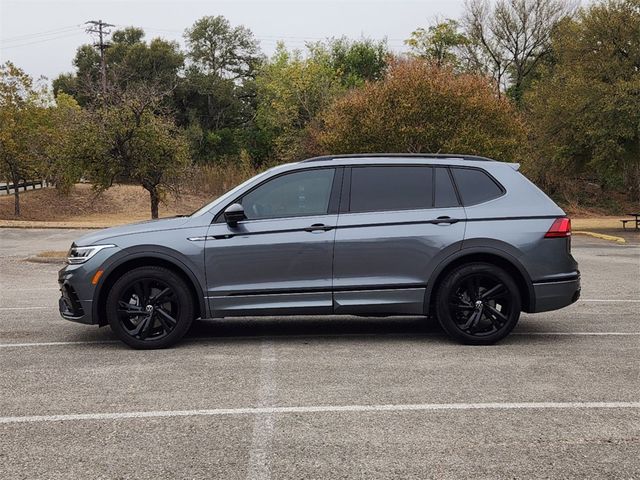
[
  {"x": 442, "y": 302},
  {"x": 183, "y": 296}
]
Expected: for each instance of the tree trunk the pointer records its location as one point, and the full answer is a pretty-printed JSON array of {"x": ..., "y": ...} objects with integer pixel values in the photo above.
[
  {"x": 16, "y": 195},
  {"x": 155, "y": 200}
]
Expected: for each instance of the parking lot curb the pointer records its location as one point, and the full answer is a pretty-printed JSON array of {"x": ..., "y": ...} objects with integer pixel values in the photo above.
[{"x": 602, "y": 236}]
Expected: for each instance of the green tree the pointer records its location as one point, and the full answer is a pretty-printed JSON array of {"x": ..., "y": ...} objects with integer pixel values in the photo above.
[
  {"x": 442, "y": 43},
  {"x": 420, "y": 107},
  {"x": 138, "y": 143},
  {"x": 291, "y": 91},
  {"x": 21, "y": 108},
  {"x": 129, "y": 60},
  {"x": 585, "y": 106},
  {"x": 353, "y": 61},
  {"x": 216, "y": 101}
]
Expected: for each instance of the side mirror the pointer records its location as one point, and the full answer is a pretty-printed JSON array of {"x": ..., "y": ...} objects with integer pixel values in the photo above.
[{"x": 233, "y": 214}]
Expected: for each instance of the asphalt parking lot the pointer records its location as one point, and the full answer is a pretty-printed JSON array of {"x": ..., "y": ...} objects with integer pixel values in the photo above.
[{"x": 321, "y": 398}]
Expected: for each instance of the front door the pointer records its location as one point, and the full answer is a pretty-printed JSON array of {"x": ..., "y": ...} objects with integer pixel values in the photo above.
[
  {"x": 278, "y": 260},
  {"x": 395, "y": 222}
]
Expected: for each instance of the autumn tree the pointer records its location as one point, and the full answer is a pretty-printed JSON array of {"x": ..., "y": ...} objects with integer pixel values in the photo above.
[
  {"x": 420, "y": 107},
  {"x": 585, "y": 106},
  {"x": 21, "y": 109}
]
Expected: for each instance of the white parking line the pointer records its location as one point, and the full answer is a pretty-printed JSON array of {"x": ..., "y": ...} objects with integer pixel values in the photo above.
[
  {"x": 259, "y": 467},
  {"x": 608, "y": 300},
  {"x": 428, "y": 407},
  {"x": 54, "y": 344},
  {"x": 26, "y": 308}
]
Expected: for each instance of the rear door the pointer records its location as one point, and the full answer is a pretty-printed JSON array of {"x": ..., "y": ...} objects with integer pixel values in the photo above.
[
  {"x": 278, "y": 260},
  {"x": 395, "y": 222}
]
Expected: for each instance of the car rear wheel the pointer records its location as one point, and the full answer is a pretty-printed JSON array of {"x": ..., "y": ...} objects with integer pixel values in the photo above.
[
  {"x": 478, "y": 304},
  {"x": 149, "y": 307}
]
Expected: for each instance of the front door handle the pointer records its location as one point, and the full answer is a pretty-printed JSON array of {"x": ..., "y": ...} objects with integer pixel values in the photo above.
[
  {"x": 318, "y": 227},
  {"x": 445, "y": 219}
]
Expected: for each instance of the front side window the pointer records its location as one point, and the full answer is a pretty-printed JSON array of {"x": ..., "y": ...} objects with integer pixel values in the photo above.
[
  {"x": 291, "y": 195},
  {"x": 475, "y": 186},
  {"x": 391, "y": 188}
]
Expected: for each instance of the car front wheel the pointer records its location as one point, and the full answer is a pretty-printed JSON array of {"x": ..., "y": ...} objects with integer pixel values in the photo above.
[
  {"x": 149, "y": 307},
  {"x": 478, "y": 303}
]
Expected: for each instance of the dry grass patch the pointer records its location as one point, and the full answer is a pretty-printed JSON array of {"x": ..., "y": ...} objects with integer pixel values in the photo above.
[{"x": 84, "y": 207}]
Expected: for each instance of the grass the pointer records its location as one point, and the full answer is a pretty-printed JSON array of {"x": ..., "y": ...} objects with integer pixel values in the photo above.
[{"x": 84, "y": 208}]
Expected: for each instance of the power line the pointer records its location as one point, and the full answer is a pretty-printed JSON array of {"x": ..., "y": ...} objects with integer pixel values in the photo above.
[
  {"x": 101, "y": 28},
  {"x": 42, "y": 40},
  {"x": 46, "y": 33}
]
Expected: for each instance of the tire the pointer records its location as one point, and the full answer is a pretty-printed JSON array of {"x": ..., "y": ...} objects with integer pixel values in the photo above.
[
  {"x": 478, "y": 304},
  {"x": 150, "y": 307}
]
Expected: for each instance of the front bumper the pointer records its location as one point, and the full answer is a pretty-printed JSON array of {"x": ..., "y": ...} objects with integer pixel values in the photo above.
[
  {"x": 556, "y": 295},
  {"x": 71, "y": 304}
]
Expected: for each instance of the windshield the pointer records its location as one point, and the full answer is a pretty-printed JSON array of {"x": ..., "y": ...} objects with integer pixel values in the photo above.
[{"x": 225, "y": 196}]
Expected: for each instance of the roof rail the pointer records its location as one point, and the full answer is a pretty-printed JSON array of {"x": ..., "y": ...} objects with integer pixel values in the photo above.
[{"x": 398, "y": 155}]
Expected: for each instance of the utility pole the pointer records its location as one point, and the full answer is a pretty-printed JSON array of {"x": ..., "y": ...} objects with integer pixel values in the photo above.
[{"x": 100, "y": 28}]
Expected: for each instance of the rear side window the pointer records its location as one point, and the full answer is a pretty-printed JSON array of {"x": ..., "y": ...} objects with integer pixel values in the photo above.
[
  {"x": 445, "y": 192},
  {"x": 475, "y": 186},
  {"x": 391, "y": 188}
]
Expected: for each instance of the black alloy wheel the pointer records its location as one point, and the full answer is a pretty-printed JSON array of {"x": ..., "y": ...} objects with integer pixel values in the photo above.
[
  {"x": 478, "y": 303},
  {"x": 149, "y": 307}
]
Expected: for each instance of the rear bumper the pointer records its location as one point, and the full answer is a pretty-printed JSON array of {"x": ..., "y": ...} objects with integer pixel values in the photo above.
[{"x": 556, "y": 295}]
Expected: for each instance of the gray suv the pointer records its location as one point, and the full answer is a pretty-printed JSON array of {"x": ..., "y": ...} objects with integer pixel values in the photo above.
[{"x": 466, "y": 239}]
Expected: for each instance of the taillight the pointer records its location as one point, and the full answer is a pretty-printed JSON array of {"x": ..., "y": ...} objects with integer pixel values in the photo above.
[{"x": 561, "y": 227}]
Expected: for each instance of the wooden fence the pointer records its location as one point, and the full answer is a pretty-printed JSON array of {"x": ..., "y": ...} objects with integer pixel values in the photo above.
[{"x": 9, "y": 188}]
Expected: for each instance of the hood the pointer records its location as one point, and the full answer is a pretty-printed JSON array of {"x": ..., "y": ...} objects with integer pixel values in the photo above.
[{"x": 100, "y": 236}]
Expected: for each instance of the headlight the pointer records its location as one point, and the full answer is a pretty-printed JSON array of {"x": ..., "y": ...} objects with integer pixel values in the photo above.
[{"x": 82, "y": 254}]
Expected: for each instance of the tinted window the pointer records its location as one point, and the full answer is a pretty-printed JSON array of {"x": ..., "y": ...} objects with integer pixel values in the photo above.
[
  {"x": 445, "y": 193},
  {"x": 291, "y": 195},
  {"x": 390, "y": 188},
  {"x": 475, "y": 186}
]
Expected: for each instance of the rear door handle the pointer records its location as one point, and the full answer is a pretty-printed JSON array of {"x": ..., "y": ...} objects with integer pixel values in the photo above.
[
  {"x": 445, "y": 219},
  {"x": 318, "y": 227}
]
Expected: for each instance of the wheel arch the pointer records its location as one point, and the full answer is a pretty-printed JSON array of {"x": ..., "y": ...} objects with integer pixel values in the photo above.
[
  {"x": 145, "y": 259},
  {"x": 495, "y": 257}
]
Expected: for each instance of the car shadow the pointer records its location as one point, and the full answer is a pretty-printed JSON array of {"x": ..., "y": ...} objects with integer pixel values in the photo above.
[{"x": 289, "y": 327}]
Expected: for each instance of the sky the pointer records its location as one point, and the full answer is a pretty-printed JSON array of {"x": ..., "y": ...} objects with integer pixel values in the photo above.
[{"x": 41, "y": 36}]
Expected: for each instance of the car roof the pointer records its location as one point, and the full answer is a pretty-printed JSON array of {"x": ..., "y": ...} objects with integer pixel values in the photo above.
[{"x": 395, "y": 156}]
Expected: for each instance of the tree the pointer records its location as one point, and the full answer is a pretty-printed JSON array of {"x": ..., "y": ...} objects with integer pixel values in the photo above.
[
  {"x": 420, "y": 107},
  {"x": 292, "y": 90},
  {"x": 215, "y": 47},
  {"x": 138, "y": 142},
  {"x": 21, "y": 106},
  {"x": 217, "y": 100},
  {"x": 510, "y": 38},
  {"x": 353, "y": 61},
  {"x": 63, "y": 142},
  {"x": 585, "y": 106},
  {"x": 129, "y": 60},
  {"x": 441, "y": 43}
]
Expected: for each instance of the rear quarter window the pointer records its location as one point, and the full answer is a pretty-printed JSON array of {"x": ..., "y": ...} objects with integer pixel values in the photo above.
[{"x": 475, "y": 186}]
